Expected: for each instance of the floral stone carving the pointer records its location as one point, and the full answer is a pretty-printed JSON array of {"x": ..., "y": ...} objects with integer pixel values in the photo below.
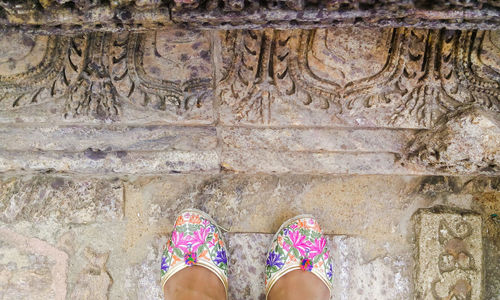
[
  {"x": 449, "y": 254},
  {"x": 94, "y": 74},
  {"x": 388, "y": 78}
]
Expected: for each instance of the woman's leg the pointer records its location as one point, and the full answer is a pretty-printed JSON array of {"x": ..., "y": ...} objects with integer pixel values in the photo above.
[{"x": 194, "y": 283}]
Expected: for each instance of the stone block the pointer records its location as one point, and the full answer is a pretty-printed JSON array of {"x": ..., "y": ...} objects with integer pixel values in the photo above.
[
  {"x": 108, "y": 149},
  {"x": 78, "y": 138},
  {"x": 41, "y": 199},
  {"x": 315, "y": 150},
  {"x": 95, "y": 161},
  {"x": 265, "y": 161},
  {"x": 142, "y": 279},
  {"x": 315, "y": 139},
  {"x": 24, "y": 275},
  {"x": 362, "y": 272},
  {"x": 94, "y": 281},
  {"x": 448, "y": 254}
]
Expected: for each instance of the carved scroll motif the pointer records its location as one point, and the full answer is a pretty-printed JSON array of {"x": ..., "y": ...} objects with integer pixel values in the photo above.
[
  {"x": 449, "y": 253},
  {"x": 34, "y": 69},
  {"x": 140, "y": 63},
  {"x": 455, "y": 256},
  {"x": 417, "y": 75},
  {"x": 258, "y": 72},
  {"x": 94, "y": 74}
]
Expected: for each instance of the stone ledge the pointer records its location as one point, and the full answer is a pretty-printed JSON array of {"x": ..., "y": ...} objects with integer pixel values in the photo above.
[
  {"x": 50, "y": 16},
  {"x": 315, "y": 139},
  {"x": 265, "y": 161},
  {"x": 165, "y": 149},
  {"x": 110, "y": 162},
  {"x": 44, "y": 137}
]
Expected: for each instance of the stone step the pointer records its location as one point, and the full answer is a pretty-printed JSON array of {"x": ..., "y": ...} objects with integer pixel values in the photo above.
[{"x": 163, "y": 149}]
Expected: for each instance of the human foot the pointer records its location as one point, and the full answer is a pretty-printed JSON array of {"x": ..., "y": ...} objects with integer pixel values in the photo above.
[
  {"x": 298, "y": 263},
  {"x": 195, "y": 241}
]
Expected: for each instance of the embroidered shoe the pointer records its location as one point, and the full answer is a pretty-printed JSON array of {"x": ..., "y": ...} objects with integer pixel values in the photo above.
[
  {"x": 299, "y": 245},
  {"x": 196, "y": 240}
]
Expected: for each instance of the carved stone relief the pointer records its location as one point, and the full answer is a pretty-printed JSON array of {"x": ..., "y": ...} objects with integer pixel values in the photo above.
[
  {"x": 401, "y": 78},
  {"x": 449, "y": 254},
  {"x": 383, "y": 78},
  {"x": 465, "y": 141},
  {"x": 32, "y": 69},
  {"x": 97, "y": 74},
  {"x": 77, "y": 16}
]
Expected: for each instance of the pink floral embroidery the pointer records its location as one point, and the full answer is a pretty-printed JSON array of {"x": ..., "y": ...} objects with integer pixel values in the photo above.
[
  {"x": 199, "y": 237},
  {"x": 193, "y": 233},
  {"x": 286, "y": 247},
  {"x": 317, "y": 247},
  {"x": 304, "y": 234},
  {"x": 180, "y": 241},
  {"x": 299, "y": 242}
]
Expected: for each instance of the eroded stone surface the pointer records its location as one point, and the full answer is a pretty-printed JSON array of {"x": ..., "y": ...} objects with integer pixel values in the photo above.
[
  {"x": 449, "y": 254},
  {"x": 30, "y": 268},
  {"x": 74, "y": 16},
  {"x": 94, "y": 282},
  {"x": 467, "y": 141},
  {"x": 40, "y": 199},
  {"x": 247, "y": 259},
  {"x": 142, "y": 279}
]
